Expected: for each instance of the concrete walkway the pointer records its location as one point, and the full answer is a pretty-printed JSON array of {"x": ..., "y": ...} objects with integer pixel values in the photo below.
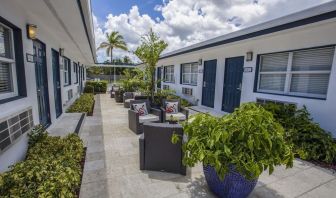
[{"x": 112, "y": 166}]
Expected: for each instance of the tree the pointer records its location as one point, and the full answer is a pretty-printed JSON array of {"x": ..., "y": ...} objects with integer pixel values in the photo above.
[
  {"x": 149, "y": 53},
  {"x": 114, "y": 41}
]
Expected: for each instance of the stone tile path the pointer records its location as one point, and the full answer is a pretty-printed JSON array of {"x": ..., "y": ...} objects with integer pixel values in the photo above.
[{"x": 112, "y": 167}]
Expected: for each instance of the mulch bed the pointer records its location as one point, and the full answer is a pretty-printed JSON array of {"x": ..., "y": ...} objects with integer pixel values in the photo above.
[{"x": 82, "y": 170}]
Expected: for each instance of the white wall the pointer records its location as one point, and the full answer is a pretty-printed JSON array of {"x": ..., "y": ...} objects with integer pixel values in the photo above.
[
  {"x": 314, "y": 35},
  {"x": 15, "y": 12}
]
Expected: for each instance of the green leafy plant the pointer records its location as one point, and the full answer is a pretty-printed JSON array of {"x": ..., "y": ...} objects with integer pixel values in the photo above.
[
  {"x": 98, "y": 86},
  {"x": 84, "y": 104},
  {"x": 132, "y": 80},
  {"x": 149, "y": 53},
  {"x": 249, "y": 139},
  {"x": 37, "y": 134},
  {"x": 310, "y": 141},
  {"x": 52, "y": 169}
]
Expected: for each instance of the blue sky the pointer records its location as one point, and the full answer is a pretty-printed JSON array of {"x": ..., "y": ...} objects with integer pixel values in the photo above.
[
  {"x": 184, "y": 22},
  {"x": 101, "y": 8}
]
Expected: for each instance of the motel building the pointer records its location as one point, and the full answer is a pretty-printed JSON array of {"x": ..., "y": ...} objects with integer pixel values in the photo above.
[
  {"x": 287, "y": 60},
  {"x": 45, "y": 46}
]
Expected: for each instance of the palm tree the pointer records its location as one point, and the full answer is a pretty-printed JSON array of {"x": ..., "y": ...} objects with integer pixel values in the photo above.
[{"x": 114, "y": 41}]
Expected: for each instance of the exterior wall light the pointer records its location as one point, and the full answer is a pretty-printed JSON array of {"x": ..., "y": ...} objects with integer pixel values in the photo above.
[
  {"x": 31, "y": 31},
  {"x": 249, "y": 56},
  {"x": 200, "y": 61},
  {"x": 61, "y": 51}
]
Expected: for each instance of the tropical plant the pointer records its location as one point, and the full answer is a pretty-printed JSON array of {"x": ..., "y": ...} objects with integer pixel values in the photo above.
[
  {"x": 149, "y": 53},
  {"x": 114, "y": 41},
  {"x": 52, "y": 169},
  {"x": 97, "y": 86},
  {"x": 248, "y": 139},
  {"x": 132, "y": 80},
  {"x": 84, "y": 104},
  {"x": 310, "y": 141}
]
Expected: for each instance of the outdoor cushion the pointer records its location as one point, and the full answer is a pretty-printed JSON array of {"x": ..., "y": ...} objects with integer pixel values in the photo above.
[
  {"x": 129, "y": 100},
  {"x": 140, "y": 108},
  {"x": 178, "y": 116},
  {"x": 172, "y": 107},
  {"x": 148, "y": 118}
]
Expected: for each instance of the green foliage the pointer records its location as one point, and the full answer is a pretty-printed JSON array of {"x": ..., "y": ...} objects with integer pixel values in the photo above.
[
  {"x": 52, "y": 169},
  {"x": 249, "y": 138},
  {"x": 310, "y": 141},
  {"x": 98, "y": 86},
  {"x": 37, "y": 134},
  {"x": 149, "y": 53},
  {"x": 132, "y": 80},
  {"x": 83, "y": 104},
  {"x": 114, "y": 41}
]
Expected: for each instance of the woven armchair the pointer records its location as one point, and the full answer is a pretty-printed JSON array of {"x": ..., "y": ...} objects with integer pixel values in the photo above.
[
  {"x": 157, "y": 153},
  {"x": 126, "y": 98},
  {"x": 182, "y": 114},
  {"x": 135, "y": 121}
]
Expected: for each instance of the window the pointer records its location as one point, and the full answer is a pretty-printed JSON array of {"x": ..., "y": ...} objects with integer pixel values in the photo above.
[
  {"x": 67, "y": 71},
  {"x": 8, "y": 86},
  {"x": 189, "y": 73},
  {"x": 169, "y": 74},
  {"x": 70, "y": 94},
  {"x": 75, "y": 66},
  {"x": 298, "y": 73}
]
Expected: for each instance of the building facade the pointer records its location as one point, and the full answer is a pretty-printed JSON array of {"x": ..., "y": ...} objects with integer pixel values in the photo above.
[
  {"x": 290, "y": 60},
  {"x": 44, "y": 49}
]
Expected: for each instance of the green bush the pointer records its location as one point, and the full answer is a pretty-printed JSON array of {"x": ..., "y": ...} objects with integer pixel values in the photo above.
[
  {"x": 83, "y": 104},
  {"x": 37, "y": 134},
  {"x": 249, "y": 139},
  {"x": 52, "y": 169},
  {"x": 310, "y": 141},
  {"x": 98, "y": 86}
]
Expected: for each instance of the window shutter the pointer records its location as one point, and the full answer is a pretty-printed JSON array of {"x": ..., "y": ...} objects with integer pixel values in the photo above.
[
  {"x": 310, "y": 83},
  {"x": 313, "y": 60},
  {"x": 272, "y": 82},
  {"x": 5, "y": 78},
  {"x": 274, "y": 62}
]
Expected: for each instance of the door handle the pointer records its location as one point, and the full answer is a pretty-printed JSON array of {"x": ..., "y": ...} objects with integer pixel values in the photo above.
[
  {"x": 204, "y": 84},
  {"x": 239, "y": 88}
]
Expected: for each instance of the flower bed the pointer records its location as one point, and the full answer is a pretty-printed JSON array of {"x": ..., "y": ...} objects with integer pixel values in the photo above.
[
  {"x": 84, "y": 104},
  {"x": 310, "y": 141},
  {"x": 53, "y": 168}
]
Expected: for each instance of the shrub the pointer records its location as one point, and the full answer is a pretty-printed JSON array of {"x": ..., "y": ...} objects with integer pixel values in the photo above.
[
  {"x": 52, "y": 169},
  {"x": 310, "y": 141},
  {"x": 37, "y": 134},
  {"x": 84, "y": 104},
  {"x": 249, "y": 139},
  {"x": 97, "y": 86}
]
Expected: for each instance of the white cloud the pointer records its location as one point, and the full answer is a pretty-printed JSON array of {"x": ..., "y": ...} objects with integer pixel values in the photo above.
[{"x": 185, "y": 22}]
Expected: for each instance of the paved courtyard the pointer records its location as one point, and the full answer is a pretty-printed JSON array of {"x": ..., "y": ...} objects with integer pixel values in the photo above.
[{"x": 112, "y": 166}]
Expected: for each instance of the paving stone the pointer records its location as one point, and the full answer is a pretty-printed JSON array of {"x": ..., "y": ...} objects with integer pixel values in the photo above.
[{"x": 112, "y": 166}]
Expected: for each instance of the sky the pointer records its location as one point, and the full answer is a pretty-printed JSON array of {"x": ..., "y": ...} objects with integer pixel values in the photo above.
[{"x": 183, "y": 22}]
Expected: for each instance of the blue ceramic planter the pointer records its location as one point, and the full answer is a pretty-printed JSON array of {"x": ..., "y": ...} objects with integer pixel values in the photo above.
[{"x": 234, "y": 184}]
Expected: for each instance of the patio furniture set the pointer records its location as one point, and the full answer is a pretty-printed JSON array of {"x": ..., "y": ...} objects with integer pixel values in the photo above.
[{"x": 156, "y": 125}]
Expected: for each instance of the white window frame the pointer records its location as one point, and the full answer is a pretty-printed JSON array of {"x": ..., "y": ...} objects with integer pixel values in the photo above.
[
  {"x": 169, "y": 74},
  {"x": 190, "y": 73},
  {"x": 289, "y": 74},
  {"x": 12, "y": 65},
  {"x": 66, "y": 70}
]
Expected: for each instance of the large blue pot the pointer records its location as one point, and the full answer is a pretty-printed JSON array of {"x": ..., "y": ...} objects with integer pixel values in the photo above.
[{"x": 234, "y": 184}]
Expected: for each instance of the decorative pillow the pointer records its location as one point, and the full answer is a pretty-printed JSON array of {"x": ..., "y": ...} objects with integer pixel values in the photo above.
[
  {"x": 172, "y": 107},
  {"x": 140, "y": 108}
]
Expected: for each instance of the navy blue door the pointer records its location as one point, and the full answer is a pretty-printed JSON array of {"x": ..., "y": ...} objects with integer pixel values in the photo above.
[
  {"x": 42, "y": 83},
  {"x": 57, "y": 82},
  {"x": 158, "y": 77},
  {"x": 209, "y": 83},
  {"x": 232, "y": 83}
]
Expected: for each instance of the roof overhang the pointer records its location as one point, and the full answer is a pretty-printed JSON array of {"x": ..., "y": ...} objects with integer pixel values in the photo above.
[
  {"x": 312, "y": 15},
  {"x": 112, "y": 66}
]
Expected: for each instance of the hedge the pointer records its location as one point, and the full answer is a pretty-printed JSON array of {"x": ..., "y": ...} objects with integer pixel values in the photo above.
[
  {"x": 52, "y": 169},
  {"x": 95, "y": 86},
  {"x": 84, "y": 104}
]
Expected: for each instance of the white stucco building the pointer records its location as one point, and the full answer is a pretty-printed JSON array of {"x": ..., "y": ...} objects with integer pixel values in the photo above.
[
  {"x": 292, "y": 59},
  {"x": 40, "y": 78}
]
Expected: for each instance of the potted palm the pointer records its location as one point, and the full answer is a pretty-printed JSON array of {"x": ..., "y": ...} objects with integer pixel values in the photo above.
[{"x": 235, "y": 149}]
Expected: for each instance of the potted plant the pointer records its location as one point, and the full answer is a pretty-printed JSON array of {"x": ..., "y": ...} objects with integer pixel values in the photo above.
[{"x": 235, "y": 149}]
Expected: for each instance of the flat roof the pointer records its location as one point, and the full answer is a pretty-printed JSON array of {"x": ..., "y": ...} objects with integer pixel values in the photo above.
[{"x": 312, "y": 15}]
